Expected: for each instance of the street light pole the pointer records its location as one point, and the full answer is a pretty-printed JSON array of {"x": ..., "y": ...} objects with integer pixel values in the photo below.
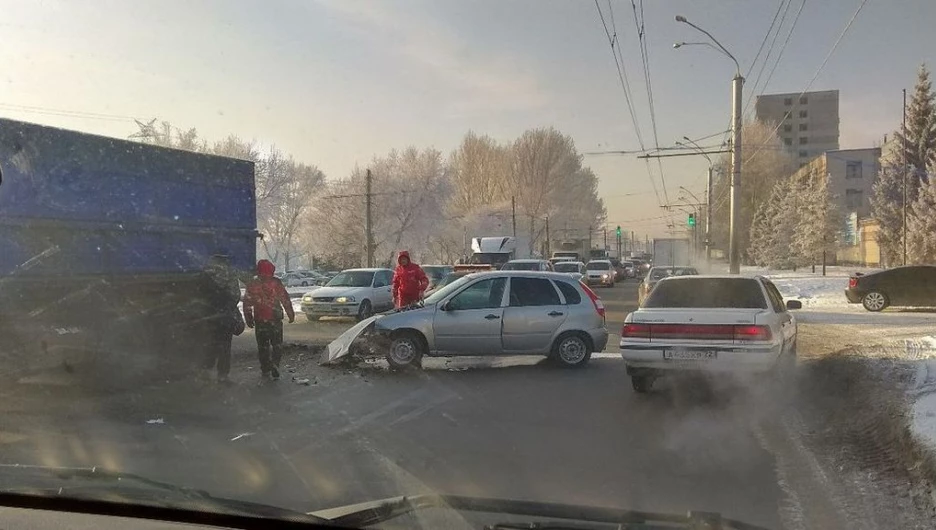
[
  {"x": 734, "y": 228},
  {"x": 737, "y": 84},
  {"x": 708, "y": 200}
]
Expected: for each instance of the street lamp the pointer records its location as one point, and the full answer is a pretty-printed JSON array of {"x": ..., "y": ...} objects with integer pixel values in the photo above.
[{"x": 734, "y": 223}]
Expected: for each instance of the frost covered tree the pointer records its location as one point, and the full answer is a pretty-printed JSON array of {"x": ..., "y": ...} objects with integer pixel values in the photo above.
[
  {"x": 887, "y": 209},
  {"x": 773, "y": 227},
  {"x": 765, "y": 162},
  {"x": 917, "y": 142},
  {"x": 819, "y": 221},
  {"x": 411, "y": 189},
  {"x": 921, "y": 226}
]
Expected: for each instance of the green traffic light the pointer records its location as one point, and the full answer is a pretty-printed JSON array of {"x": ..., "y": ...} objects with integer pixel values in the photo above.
[
  {"x": 619, "y": 231},
  {"x": 691, "y": 219}
]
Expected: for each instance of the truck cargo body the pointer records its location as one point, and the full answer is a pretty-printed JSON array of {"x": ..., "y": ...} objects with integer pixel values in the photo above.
[
  {"x": 107, "y": 237},
  {"x": 671, "y": 252}
]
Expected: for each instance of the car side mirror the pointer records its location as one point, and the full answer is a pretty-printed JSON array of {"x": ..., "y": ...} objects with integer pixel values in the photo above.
[{"x": 794, "y": 304}]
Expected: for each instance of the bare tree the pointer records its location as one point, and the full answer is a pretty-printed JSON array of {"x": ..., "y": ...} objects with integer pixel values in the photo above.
[
  {"x": 285, "y": 212},
  {"x": 479, "y": 170}
]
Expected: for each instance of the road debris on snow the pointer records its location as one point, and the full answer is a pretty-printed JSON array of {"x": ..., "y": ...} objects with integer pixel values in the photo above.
[
  {"x": 242, "y": 435},
  {"x": 156, "y": 421},
  {"x": 302, "y": 381}
]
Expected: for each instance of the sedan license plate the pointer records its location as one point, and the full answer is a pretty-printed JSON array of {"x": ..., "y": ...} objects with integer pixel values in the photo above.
[{"x": 689, "y": 355}]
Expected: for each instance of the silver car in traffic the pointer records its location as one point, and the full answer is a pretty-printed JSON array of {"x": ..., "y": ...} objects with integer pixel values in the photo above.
[{"x": 500, "y": 313}]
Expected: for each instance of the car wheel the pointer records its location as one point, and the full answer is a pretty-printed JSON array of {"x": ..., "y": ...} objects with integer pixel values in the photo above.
[
  {"x": 875, "y": 301},
  {"x": 642, "y": 383},
  {"x": 305, "y": 284},
  {"x": 406, "y": 349},
  {"x": 312, "y": 318},
  {"x": 365, "y": 311},
  {"x": 571, "y": 350}
]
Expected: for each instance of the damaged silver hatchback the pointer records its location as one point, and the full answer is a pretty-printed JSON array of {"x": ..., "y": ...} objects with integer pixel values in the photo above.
[{"x": 497, "y": 313}]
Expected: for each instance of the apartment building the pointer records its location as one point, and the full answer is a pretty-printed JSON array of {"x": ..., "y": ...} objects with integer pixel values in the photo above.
[{"x": 808, "y": 122}]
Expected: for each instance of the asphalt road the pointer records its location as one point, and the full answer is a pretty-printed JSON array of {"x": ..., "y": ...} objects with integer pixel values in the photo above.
[{"x": 516, "y": 428}]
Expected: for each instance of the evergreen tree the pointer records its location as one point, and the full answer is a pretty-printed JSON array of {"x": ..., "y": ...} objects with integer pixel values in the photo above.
[
  {"x": 912, "y": 160},
  {"x": 921, "y": 226},
  {"x": 819, "y": 221},
  {"x": 917, "y": 141},
  {"x": 887, "y": 208}
]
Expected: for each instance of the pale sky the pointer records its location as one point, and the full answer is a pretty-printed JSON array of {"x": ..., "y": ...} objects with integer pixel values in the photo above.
[{"x": 335, "y": 82}]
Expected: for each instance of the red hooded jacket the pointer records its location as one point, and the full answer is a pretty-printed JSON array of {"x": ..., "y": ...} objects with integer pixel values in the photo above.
[
  {"x": 409, "y": 281},
  {"x": 266, "y": 298}
]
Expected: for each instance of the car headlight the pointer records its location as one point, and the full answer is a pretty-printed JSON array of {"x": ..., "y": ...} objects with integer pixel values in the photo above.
[
  {"x": 344, "y": 299},
  {"x": 307, "y": 298},
  {"x": 605, "y": 276}
]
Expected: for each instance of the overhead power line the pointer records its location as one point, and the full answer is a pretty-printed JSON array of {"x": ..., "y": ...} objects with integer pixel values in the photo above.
[
  {"x": 31, "y": 109},
  {"x": 818, "y": 70},
  {"x": 773, "y": 41},
  {"x": 614, "y": 44},
  {"x": 779, "y": 55},
  {"x": 639, "y": 24},
  {"x": 763, "y": 42}
]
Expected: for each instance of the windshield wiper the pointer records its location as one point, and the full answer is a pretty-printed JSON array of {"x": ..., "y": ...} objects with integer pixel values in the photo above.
[
  {"x": 370, "y": 513},
  {"x": 116, "y": 483}
]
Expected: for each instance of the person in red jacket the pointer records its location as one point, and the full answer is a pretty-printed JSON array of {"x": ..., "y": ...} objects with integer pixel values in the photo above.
[
  {"x": 409, "y": 281},
  {"x": 264, "y": 303}
]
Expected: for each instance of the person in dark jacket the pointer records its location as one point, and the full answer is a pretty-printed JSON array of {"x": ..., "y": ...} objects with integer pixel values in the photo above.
[
  {"x": 264, "y": 303},
  {"x": 409, "y": 281},
  {"x": 221, "y": 292}
]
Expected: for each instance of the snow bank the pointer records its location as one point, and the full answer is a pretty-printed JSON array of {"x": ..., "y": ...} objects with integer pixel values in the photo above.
[{"x": 923, "y": 390}]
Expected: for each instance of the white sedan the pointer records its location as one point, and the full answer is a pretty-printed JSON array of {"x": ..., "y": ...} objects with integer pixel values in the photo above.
[{"x": 711, "y": 324}]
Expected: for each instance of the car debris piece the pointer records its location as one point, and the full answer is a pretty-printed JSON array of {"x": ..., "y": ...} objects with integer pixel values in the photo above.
[
  {"x": 342, "y": 345},
  {"x": 302, "y": 381},
  {"x": 156, "y": 421},
  {"x": 241, "y": 435}
]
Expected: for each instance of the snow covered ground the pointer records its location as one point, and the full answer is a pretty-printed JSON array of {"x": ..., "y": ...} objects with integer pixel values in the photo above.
[{"x": 903, "y": 337}]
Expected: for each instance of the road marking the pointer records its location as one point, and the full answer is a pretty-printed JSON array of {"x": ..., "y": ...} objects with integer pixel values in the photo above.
[{"x": 606, "y": 355}]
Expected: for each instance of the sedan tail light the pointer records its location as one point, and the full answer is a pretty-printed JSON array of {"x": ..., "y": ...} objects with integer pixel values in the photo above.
[
  {"x": 703, "y": 332},
  {"x": 636, "y": 331},
  {"x": 748, "y": 333},
  {"x": 852, "y": 282},
  {"x": 599, "y": 306}
]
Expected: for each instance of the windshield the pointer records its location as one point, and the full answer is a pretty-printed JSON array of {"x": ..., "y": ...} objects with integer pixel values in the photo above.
[
  {"x": 566, "y": 267},
  {"x": 160, "y": 161},
  {"x": 352, "y": 279},
  {"x": 707, "y": 293},
  {"x": 521, "y": 266}
]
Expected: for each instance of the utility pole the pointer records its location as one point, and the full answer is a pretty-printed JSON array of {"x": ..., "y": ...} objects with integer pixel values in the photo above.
[
  {"x": 708, "y": 217},
  {"x": 548, "y": 250},
  {"x": 368, "y": 219},
  {"x": 734, "y": 224},
  {"x": 903, "y": 148},
  {"x": 588, "y": 250},
  {"x": 633, "y": 241},
  {"x": 605, "y": 230},
  {"x": 513, "y": 210}
]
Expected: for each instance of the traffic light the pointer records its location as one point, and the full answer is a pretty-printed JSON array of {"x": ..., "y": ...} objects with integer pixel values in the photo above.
[
  {"x": 691, "y": 219},
  {"x": 619, "y": 231}
]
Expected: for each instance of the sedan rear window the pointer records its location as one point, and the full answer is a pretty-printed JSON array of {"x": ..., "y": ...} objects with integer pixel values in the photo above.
[
  {"x": 743, "y": 293},
  {"x": 598, "y": 266}
]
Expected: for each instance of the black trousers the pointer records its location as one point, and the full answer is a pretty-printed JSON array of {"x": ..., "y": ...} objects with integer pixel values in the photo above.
[
  {"x": 218, "y": 350},
  {"x": 269, "y": 340}
]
